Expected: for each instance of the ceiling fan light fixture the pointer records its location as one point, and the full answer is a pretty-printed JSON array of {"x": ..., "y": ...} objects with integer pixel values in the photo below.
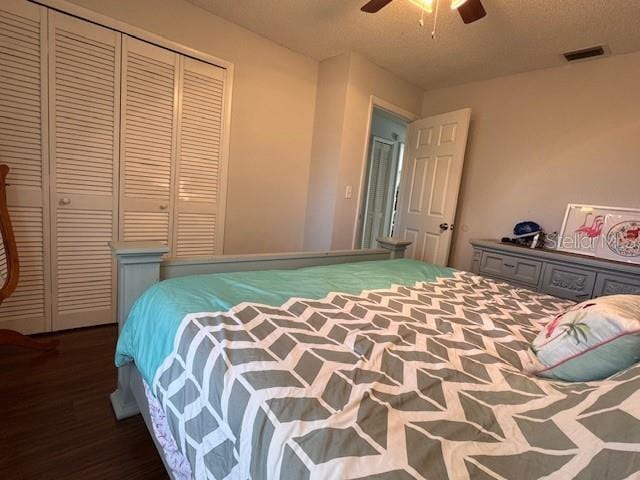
[
  {"x": 426, "y": 5},
  {"x": 456, "y": 4}
]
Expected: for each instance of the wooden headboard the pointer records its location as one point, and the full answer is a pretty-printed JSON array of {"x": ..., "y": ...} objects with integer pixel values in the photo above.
[{"x": 141, "y": 265}]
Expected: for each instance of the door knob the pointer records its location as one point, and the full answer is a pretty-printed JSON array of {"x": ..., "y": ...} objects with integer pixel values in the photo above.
[
  {"x": 65, "y": 201},
  {"x": 444, "y": 227}
]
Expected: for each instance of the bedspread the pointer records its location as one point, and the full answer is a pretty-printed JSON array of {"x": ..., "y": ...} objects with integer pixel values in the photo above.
[{"x": 412, "y": 381}]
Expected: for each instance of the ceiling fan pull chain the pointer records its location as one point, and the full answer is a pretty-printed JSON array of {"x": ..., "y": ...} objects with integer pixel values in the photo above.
[
  {"x": 435, "y": 20},
  {"x": 424, "y": 6}
]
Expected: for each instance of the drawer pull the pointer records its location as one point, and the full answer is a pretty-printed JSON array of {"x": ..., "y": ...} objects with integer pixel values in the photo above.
[{"x": 509, "y": 265}]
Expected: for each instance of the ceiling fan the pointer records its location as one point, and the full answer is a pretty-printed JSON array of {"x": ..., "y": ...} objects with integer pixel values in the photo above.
[{"x": 470, "y": 10}]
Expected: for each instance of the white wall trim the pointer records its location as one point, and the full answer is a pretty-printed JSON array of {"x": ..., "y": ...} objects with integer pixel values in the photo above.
[
  {"x": 390, "y": 107},
  {"x": 224, "y": 160},
  {"x": 374, "y": 102}
]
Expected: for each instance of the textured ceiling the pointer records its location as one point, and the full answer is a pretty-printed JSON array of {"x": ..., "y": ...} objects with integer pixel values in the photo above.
[{"x": 516, "y": 35}]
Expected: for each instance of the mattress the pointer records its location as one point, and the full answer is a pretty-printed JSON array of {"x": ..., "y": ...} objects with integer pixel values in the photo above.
[{"x": 381, "y": 370}]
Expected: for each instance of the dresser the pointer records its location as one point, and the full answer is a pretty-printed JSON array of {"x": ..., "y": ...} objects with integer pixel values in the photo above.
[{"x": 561, "y": 274}]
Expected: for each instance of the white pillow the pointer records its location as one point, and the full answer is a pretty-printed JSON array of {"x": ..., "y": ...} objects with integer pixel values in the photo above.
[{"x": 589, "y": 341}]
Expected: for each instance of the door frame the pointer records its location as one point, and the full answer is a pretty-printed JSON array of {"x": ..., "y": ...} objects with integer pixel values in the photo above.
[{"x": 374, "y": 102}]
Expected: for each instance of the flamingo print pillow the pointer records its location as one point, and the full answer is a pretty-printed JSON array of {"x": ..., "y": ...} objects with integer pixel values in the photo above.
[{"x": 589, "y": 341}]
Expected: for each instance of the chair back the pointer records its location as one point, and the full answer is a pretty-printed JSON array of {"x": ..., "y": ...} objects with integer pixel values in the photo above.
[{"x": 9, "y": 266}]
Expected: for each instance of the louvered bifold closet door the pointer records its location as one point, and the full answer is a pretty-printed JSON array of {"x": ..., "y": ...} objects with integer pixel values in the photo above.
[
  {"x": 23, "y": 133},
  {"x": 199, "y": 173},
  {"x": 84, "y": 75},
  {"x": 148, "y": 130}
]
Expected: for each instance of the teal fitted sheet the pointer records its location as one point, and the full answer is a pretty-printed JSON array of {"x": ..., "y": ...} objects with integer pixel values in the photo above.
[{"x": 148, "y": 335}]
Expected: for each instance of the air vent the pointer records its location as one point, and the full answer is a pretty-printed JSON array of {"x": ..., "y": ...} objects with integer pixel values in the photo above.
[{"x": 585, "y": 53}]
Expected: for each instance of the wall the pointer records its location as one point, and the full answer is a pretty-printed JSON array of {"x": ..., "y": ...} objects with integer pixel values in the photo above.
[
  {"x": 363, "y": 80},
  {"x": 331, "y": 96},
  {"x": 542, "y": 139},
  {"x": 272, "y": 119}
]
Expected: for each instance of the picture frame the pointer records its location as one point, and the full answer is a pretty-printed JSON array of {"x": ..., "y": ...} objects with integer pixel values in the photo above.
[
  {"x": 620, "y": 239},
  {"x": 583, "y": 227}
]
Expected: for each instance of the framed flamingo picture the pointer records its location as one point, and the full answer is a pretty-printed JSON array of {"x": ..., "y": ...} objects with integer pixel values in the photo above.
[{"x": 585, "y": 228}]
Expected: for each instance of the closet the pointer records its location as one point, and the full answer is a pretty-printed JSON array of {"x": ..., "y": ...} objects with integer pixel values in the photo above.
[
  {"x": 172, "y": 109},
  {"x": 149, "y": 135},
  {"x": 84, "y": 90},
  {"x": 23, "y": 147},
  {"x": 107, "y": 138}
]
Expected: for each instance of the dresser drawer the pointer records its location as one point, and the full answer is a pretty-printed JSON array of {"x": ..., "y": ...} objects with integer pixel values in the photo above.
[
  {"x": 568, "y": 282},
  {"x": 615, "y": 284},
  {"x": 509, "y": 267}
]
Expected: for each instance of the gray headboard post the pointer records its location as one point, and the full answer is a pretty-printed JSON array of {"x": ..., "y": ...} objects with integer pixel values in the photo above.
[
  {"x": 138, "y": 269},
  {"x": 396, "y": 246}
]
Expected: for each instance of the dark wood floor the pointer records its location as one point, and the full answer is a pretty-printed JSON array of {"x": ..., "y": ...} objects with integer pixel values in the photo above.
[{"x": 56, "y": 421}]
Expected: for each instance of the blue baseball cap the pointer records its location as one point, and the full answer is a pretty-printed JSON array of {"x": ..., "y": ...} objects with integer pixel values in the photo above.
[{"x": 526, "y": 229}]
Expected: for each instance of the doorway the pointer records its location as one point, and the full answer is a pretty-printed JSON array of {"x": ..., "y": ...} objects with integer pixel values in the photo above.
[{"x": 382, "y": 182}]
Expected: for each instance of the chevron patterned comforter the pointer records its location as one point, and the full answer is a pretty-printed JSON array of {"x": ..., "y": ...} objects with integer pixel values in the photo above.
[{"x": 414, "y": 381}]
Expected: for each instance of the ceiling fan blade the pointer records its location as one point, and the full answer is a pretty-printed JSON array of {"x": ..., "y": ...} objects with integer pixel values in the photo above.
[
  {"x": 375, "y": 5},
  {"x": 472, "y": 10}
]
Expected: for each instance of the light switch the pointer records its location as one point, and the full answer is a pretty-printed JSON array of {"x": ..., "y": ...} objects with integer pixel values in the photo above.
[{"x": 348, "y": 192}]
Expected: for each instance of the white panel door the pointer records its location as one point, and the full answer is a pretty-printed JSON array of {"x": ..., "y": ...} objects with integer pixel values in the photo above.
[
  {"x": 23, "y": 134},
  {"x": 148, "y": 133},
  {"x": 84, "y": 98},
  {"x": 199, "y": 202},
  {"x": 431, "y": 174}
]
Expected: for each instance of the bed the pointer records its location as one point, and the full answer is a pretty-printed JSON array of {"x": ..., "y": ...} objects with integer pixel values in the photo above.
[{"x": 365, "y": 365}]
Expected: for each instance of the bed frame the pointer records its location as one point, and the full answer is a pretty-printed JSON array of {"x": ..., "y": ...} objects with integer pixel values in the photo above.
[{"x": 141, "y": 265}]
